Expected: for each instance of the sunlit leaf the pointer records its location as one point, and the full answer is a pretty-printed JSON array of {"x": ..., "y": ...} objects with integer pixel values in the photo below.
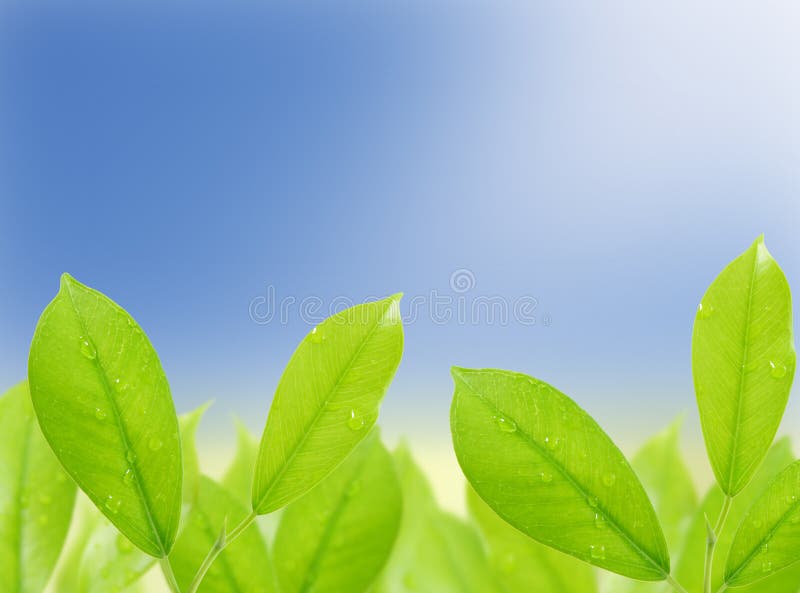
[
  {"x": 238, "y": 478},
  {"x": 242, "y": 567},
  {"x": 111, "y": 562},
  {"x": 689, "y": 561},
  {"x": 743, "y": 360},
  {"x": 546, "y": 467},
  {"x": 188, "y": 424},
  {"x": 338, "y": 536},
  {"x": 36, "y": 498},
  {"x": 104, "y": 406},
  {"x": 521, "y": 563},
  {"x": 327, "y": 400},
  {"x": 768, "y": 536}
]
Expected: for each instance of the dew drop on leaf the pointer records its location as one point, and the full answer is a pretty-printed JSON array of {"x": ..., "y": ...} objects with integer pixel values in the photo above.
[
  {"x": 599, "y": 521},
  {"x": 155, "y": 443},
  {"x": 505, "y": 424},
  {"x": 704, "y": 311},
  {"x": 130, "y": 456},
  {"x": 777, "y": 370},
  {"x": 592, "y": 501},
  {"x": 128, "y": 476},
  {"x": 551, "y": 444},
  {"x": 766, "y": 566},
  {"x": 316, "y": 336},
  {"x": 597, "y": 552},
  {"x": 112, "y": 504},
  {"x": 100, "y": 414},
  {"x": 546, "y": 477},
  {"x": 355, "y": 422},
  {"x": 87, "y": 348},
  {"x": 609, "y": 479}
]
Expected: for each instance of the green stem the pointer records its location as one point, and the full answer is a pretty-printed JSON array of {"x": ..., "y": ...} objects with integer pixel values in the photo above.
[
  {"x": 676, "y": 585},
  {"x": 224, "y": 540},
  {"x": 169, "y": 575},
  {"x": 711, "y": 542}
]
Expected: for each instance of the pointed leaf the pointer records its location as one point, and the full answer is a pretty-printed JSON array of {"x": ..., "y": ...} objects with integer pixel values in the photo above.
[
  {"x": 327, "y": 400},
  {"x": 188, "y": 424},
  {"x": 238, "y": 478},
  {"x": 767, "y": 538},
  {"x": 111, "y": 562},
  {"x": 523, "y": 564},
  {"x": 36, "y": 498},
  {"x": 689, "y": 564},
  {"x": 434, "y": 552},
  {"x": 743, "y": 360},
  {"x": 242, "y": 567},
  {"x": 339, "y": 535},
  {"x": 104, "y": 406},
  {"x": 545, "y": 466}
]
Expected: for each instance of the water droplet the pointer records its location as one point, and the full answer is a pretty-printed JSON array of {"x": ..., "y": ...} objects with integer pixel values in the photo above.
[
  {"x": 609, "y": 479},
  {"x": 100, "y": 414},
  {"x": 757, "y": 523},
  {"x": 592, "y": 501},
  {"x": 155, "y": 443},
  {"x": 87, "y": 348},
  {"x": 316, "y": 336},
  {"x": 45, "y": 498},
  {"x": 791, "y": 499},
  {"x": 599, "y": 521},
  {"x": 128, "y": 477},
  {"x": 505, "y": 424},
  {"x": 777, "y": 370},
  {"x": 704, "y": 311},
  {"x": 355, "y": 421},
  {"x": 546, "y": 477},
  {"x": 130, "y": 456},
  {"x": 765, "y": 547},
  {"x": 766, "y": 566},
  {"x": 597, "y": 552},
  {"x": 551, "y": 443},
  {"x": 112, "y": 504}
]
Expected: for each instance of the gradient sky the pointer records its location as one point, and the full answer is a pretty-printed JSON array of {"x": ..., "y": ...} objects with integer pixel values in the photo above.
[{"x": 607, "y": 159}]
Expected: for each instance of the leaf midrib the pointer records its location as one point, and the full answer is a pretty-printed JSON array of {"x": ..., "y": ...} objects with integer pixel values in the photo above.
[
  {"x": 118, "y": 421},
  {"x": 742, "y": 371},
  {"x": 570, "y": 478},
  {"x": 307, "y": 432}
]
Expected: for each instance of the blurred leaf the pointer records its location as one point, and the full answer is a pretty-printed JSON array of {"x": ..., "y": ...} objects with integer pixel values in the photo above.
[
  {"x": 85, "y": 519},
  {"x": 521, "y": 563},
  {"x": 104, "y": 406},
  {"x": 238, "y": 479},
  {"x": 435, "y": 552},
  {"x": 36, "y": 498},
  {"x": 111, "y": 562},
  {"x": 689, "y": 563},
  {"x": 743, "y": 360},
  {"x": 242, "y": 567},
  {"x": 188, "y": 424},
  {"x": 767, "y": 538},
  {"x": 327, "y": 400},
  {"x": 546, "y": 467},
  {"x": 338, "y": 536}
]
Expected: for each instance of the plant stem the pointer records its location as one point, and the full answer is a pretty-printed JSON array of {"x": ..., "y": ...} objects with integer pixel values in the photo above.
[
  {"x": 166, "y": 568},
  {"x": 675, "y": 585},
  {"x": 711, "y": 542},
  {"x": 219, "y": 545}
]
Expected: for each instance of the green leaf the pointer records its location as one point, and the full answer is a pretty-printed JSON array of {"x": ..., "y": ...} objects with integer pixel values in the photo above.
[
  {"x": 242, "y": 567},
  {"x": 339, "y": 535},
  {"x": 238, "y": 479},
  {"x": 434, "y": 552},
  {"x": 766, "y": 540},
  {"x": 188, "y": 424},
  {"x": 327, "y": 400},
  {"x": 689, "y": 562},
  {"x": 104, "y": 406},
  {"x": 522, "y": 564},
  {"x": 110, "y": 562},
  {"x": 36, "y": 498},
  {"x": 743, "y": 360},
  {"x": 546, "y": 467}
]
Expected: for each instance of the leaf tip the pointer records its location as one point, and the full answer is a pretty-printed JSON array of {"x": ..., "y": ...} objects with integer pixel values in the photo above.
[{"x": 457, "y": 372}]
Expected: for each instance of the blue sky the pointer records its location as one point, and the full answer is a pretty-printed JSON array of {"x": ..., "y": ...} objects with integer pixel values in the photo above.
[{"x": 607, "y": 160}]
